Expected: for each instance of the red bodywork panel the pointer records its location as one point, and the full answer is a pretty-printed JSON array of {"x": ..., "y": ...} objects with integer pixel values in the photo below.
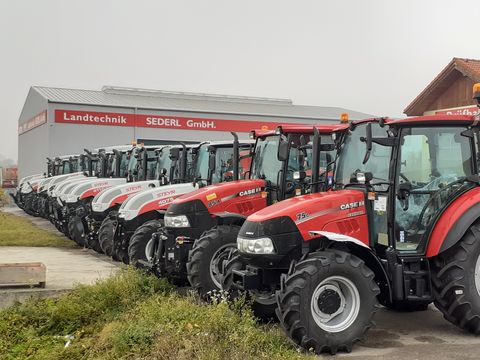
[
  {"x": 239, "y": 197},
  {"x": 121, "y": 198},
  {"x": 93, "y": 191},
  {"x": 342, "y": 212},
  {"x": 454, "y": 211}
]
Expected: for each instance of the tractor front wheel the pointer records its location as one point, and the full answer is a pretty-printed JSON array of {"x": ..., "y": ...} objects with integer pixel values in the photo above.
[
  {"x": 141, "y": 242},
  {"x": 327, "y": 302},
  {"x": 105, "y": 236},
  {"x": 206, "y": 258},
  {"x": 456, "y": 281},
  {"x": 76, "y": 230}
]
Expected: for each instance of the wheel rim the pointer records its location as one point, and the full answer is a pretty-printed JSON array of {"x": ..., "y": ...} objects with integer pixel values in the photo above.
[
  {"x": 216, "y": 263},
  {"x": 477, "y": 275},
  {"x": 148, "y": 250},
  {"x": 335, "y": 304}
]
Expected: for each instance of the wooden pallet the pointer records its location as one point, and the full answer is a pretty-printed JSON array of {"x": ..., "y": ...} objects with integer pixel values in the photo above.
[{"x": 23, "y": 274}]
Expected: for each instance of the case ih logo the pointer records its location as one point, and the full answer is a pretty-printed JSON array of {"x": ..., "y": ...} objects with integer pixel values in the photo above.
[
  {"x": 249, "y": 192},
  {"x": 158, "y": 121},
  {"x": 352, "y": 205}
]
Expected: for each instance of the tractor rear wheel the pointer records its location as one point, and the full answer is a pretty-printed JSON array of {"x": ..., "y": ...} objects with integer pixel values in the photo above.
[
  {"x": 105, "y": 236},
  {"x": 141, "y": 241},
  {"x": 263, "y": 303},
  {"x": 205, "y": 261},
  {"x": 76, "y": 230},
  {"x": 327, "y": 301},
  {"x": 456, "y": 281}
]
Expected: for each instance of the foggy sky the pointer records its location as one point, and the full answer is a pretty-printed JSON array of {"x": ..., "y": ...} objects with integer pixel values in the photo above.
[{"x": 370, "y": 56}]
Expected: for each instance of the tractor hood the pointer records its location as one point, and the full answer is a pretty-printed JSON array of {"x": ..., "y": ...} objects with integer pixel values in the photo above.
[
  {"x": 153, "y": 200},
  {"x": 240, "y": 197},
  {"x": 62, "y": 189},
  {"x": 119, "y": 193},
  {"x": 91, "y": 188},
  {"x": 340, "y": 212},
  {"x": 29, "y": 178},
  {"x": 59, "y": 179}
]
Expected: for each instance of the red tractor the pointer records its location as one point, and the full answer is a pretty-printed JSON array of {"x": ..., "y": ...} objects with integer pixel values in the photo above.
[
  {"x": 402, "y": 227},
  {"x": 202, "y": 227}
]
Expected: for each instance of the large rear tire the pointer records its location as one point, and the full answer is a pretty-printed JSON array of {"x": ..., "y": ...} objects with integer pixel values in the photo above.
[
  {"x": 137, "y": 249},
  {"x": 105, "y": 236},
  {"x": 263, "y": 303},
  {"x": 456, "y": 281},
  {"x": 327, "y": 302},
  {"x": 205, "y": 261}
]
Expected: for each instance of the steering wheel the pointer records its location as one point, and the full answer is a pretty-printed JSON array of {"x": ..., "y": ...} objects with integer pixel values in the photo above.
[{"x": 429, "y": 207}]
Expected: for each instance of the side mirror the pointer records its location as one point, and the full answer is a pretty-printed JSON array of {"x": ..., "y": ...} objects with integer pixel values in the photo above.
[
  {"x": 282, "y": 154},
  {"x": 368, "y": 142}
]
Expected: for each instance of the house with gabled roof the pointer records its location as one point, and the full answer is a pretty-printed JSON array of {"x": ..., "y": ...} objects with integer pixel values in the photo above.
[{"x": 450, "y": 92}]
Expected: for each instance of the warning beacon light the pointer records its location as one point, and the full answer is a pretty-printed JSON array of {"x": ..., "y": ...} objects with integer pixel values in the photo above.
[
  {"x": 344, "y": 118},
  {"x": 476, "y": 93}
]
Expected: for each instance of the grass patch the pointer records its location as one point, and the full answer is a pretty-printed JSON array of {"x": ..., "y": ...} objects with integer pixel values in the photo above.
[
  {"x": 135, "y": 316},
  {"x": 19, "y": 231}
]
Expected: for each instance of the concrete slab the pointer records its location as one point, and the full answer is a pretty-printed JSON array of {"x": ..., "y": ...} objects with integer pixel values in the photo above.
[
  {"x": 65, "y": 268},
  {"x": 422, "y": 335}
]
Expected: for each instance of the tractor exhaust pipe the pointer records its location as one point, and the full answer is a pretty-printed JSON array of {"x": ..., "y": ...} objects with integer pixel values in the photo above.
[
  {"x": 236, "y": 156},
  {"x": 183, "y": 163}
]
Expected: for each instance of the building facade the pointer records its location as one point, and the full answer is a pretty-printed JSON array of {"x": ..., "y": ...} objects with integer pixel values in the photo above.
[
  {"x": 451, "y": 92},
  {"x": 57, "y": 121}
]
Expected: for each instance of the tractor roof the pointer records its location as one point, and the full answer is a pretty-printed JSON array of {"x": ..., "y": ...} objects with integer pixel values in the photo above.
[
  {"x": 300, "y": 128},
  {"x": 430, "y": 120}
]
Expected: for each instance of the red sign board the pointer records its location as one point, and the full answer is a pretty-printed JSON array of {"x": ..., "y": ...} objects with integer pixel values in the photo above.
[
  {"x": 158, "y": 121},
  {"x": 470, "y": 111},
  {"x": 34, "y": 122}
]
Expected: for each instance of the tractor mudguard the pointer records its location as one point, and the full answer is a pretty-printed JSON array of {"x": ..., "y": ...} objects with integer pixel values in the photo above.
[
  {"x": 454, "y": 222},
  {"x": 365, "y": 253}
]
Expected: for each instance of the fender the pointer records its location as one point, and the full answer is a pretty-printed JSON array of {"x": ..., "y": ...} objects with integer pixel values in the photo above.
[
  {"x": 362, "y": 251},
  {"x": 227, "y": 218},
  {"x": 454, "y": 222}
]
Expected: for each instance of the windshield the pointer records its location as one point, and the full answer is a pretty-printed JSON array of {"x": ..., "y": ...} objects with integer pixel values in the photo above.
[
  {"x": 352, "y": 153},
  {"x": 132, "y": 160},
  {"x": 265, "y": 163},
  {"x": 151, "y": 164},
  {"x": 163, "y": 162},
  {"x": 123, "y": 164},
  {"x": 223, "y": 164},
  {"x": 66, "y": 167}
]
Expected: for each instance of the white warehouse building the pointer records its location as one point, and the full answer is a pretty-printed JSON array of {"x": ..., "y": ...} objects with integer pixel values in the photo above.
[{"x": 57, "y": 121}]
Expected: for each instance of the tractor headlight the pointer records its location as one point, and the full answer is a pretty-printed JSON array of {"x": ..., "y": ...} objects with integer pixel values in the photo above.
[
  {"x": 256, "y": 246},
  {"x": 179, "y": 221}
]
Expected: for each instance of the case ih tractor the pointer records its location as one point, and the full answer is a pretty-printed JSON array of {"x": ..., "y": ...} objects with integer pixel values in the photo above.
[
  {"x": 201, "y": 227},
  {"x": 402, "y": 227},
  {"x": 213, "y": 163}
]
